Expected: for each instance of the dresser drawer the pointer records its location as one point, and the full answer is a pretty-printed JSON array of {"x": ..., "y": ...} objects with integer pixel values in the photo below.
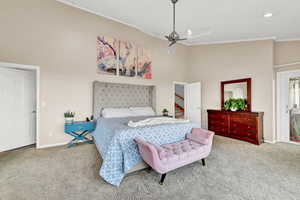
[
  {"x": 80, "y": 126},
  {"x": 243, "y": 126},
  {"x": 217, "y": 116},
  {"x": 218, "y": 123},
  {"x": 219, "y": 130}
]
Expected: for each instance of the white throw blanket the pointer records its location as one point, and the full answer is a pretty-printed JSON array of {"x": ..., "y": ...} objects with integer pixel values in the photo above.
[{"x": 156, "y": 121}]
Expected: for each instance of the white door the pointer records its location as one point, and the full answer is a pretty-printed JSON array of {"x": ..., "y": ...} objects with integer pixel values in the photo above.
[
  {"x": 193, "y": 102},
  {"x": 284, "y": 107},
  {"x": 17, "y": 108}
]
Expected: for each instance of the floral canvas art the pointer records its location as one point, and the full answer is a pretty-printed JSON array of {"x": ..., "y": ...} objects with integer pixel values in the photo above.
[
  {"x": 107, "y": 54},
  {"x": 144, "y": 68},
  {"x": 127, "y": 59},
  {"x": 122, "y": 58}
]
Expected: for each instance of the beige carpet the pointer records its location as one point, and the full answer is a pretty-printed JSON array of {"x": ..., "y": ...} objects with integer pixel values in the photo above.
[{"x": 235, "y": 170}]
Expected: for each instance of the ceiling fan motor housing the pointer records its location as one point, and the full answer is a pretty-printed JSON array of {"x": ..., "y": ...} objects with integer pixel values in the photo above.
[{"x": 174, "y": 35}]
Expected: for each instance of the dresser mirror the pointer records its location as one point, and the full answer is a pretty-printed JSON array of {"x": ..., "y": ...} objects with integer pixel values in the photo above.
[{"x": 236, "y": 89}]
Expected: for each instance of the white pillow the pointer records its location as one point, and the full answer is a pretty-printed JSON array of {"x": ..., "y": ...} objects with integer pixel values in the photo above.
[
  {"x": 116, "y": 112},
  {"x": 142, "y": 111}
]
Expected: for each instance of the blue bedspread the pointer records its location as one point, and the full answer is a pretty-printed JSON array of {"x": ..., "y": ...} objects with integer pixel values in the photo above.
[{"x": 114, "y": 141}]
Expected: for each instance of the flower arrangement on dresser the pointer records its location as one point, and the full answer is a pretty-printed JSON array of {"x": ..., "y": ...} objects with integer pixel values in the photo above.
[{"x": 235, "y": 104}]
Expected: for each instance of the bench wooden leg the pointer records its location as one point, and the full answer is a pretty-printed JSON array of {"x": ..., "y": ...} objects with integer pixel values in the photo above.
[
  {"x": 203, "y": 161},
  {"x": 149, "y": 169},
  {"x": 163, "y": 176}
]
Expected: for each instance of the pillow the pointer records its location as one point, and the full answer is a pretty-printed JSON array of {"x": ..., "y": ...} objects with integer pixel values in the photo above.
[
  {"x": 116, "y": 112},
  {"x": 142, "y": 111}
]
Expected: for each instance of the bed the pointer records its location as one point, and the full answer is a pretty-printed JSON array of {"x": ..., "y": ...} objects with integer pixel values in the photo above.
[{"x": 114, "y": 138}]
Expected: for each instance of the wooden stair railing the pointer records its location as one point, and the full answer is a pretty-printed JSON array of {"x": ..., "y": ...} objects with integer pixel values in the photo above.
[
  {"x": 177, "y": 95},
  {"x": 179, "y": 107}
]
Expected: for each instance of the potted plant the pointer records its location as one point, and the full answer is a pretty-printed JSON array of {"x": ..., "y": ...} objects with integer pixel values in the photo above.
[
  {"x": 69, "y": 117},
  {"x": 235, "y": 104},
  {"x": 165, "y": 112}
]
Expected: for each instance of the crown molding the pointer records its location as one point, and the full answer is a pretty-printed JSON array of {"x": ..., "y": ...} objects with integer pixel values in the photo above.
[
  {"x": 66, "y": 2},
  {"x": 233, "y": 41},
  {"x": 288, "y": 40},
  {"x": 97, "y": 13}
]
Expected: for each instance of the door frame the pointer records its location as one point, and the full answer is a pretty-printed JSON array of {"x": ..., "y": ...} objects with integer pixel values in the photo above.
[
  {"x": 173, "y": 94},
  {"x": 36, "y": 69},
  {"x": 278, "y": 104}
]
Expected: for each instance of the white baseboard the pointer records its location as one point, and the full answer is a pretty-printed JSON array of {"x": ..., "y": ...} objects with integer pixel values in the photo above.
[
  {"x": 52, "y": 145},
  {"x": 270, "y": 141}
]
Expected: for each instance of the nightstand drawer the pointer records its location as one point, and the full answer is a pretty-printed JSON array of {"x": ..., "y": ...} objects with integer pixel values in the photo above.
[{"x": 80, "y": 126}]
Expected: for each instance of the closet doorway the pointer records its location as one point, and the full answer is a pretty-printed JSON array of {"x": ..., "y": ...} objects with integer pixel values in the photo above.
[
  {"x": 18, "y": 105},
  {"x": 288, "y": 106}
]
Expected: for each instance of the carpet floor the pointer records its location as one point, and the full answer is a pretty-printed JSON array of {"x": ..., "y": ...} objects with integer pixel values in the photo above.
[{"x": 235, "y": 170}]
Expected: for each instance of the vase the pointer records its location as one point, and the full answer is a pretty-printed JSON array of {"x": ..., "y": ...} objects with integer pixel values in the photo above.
[
  {"x": 69, "y": 120},
  {"x": 233, "y": 109}
]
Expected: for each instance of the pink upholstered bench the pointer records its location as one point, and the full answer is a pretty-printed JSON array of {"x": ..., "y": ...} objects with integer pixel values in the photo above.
[{"x": 168, "y": 157}]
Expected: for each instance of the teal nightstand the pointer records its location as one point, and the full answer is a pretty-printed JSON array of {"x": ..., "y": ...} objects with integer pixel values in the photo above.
[{"x": 79, "y": 130}]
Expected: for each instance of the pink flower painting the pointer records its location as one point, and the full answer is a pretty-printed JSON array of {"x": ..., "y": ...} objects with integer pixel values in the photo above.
[
  {"x": 144, "y": 67},
  {"x": 107, "y": 55},
  {"x": 127, "y": 59},
  {"x": 122, "y": 58}
]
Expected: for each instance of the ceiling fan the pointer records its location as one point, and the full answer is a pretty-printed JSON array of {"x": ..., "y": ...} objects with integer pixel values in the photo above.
[{"x": 174, "y": 37}]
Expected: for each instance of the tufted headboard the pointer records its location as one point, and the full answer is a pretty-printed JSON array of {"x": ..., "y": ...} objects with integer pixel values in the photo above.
[{"x": 118, "y": 95}]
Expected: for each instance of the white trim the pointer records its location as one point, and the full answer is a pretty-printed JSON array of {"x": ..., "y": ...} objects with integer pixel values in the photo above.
[
  {"x": 233, "y": 41},
  {"x": 288, "y": 40},
  {"x": 291, "y": 142},
  {"x": 278, "y": 103},
  {"x": 287, "y": 64},
  {"x": 52, "y": 145},
  {"x": 274, "y": 131},
  {"x": 270, "y": 141},
  {"x": 37, "y": 70},
  {"x": 96, "y": 13}
]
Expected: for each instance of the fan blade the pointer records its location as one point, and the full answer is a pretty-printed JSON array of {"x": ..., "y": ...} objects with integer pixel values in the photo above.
[
  {"x": 172, "y": 43},
  {"x": 182, "y": 39},
  {"x": 168, "y": 38}
]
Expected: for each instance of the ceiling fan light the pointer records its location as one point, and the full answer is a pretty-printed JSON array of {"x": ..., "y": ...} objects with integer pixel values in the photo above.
[
  {"x": 189, "y": 33},
  {"x": 172, "y": 49}
]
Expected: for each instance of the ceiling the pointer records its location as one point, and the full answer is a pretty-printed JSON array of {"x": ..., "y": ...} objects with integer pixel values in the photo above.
[{"x": 211, "y": 21}]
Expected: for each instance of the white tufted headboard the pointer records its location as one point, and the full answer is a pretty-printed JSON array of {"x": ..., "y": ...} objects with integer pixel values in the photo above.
[{"x": 118, "y": 95}]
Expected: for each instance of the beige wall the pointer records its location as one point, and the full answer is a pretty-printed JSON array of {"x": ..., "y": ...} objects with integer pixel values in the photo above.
[
  {"x": 62, "y": 41},
  {"x": 215, "y": 63},
  {"x": 287, "y": 52}
]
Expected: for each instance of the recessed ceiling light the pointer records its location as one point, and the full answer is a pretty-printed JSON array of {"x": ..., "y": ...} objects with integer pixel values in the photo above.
[{"x": 268, "y": 15}]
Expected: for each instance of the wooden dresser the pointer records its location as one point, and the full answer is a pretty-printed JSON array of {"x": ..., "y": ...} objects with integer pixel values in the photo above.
[{"x": 247, "y": 126}]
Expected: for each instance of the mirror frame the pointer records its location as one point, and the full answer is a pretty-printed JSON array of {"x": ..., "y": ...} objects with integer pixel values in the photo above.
[{"x": 248, "y": 81}]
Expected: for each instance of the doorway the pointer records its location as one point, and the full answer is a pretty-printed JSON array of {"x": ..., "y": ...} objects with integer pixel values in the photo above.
[
  {"x": 288, "y": 106},
  {"x": 187, "y": 101},
  {"x": 179, "y": 100},
  {"x": 18, "y": 105}
]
